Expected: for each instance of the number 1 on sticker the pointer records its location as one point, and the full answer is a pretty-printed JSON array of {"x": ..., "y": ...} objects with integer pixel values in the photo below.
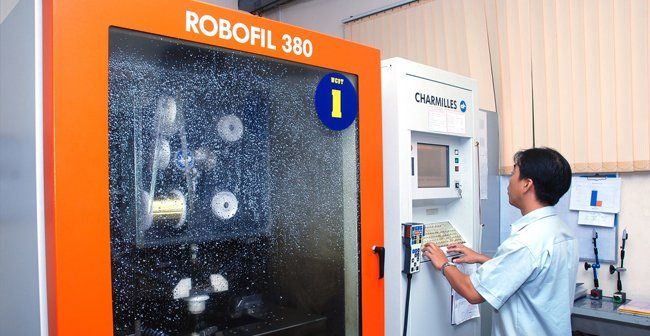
[{"x": 336, "y": 104}]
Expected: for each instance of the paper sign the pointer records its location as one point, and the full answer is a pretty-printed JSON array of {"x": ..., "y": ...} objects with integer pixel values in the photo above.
[
  {"x": 596, "y": 194},
  {"x": 461, "y": 309},
  {"x": 596, "y": 218},
  {"x": 455, "y": 122},
  {"x": 438, "y": 121}
]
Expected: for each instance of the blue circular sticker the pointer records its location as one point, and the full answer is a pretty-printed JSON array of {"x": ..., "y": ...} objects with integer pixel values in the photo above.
[
  {"x": 184, "y": 161},
  {"x": 463, "y": 106},
  {"x": 336, "y": 101}
]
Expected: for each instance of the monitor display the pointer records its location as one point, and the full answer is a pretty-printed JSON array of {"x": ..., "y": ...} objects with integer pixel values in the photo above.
[{"x": 433, "y": 166}]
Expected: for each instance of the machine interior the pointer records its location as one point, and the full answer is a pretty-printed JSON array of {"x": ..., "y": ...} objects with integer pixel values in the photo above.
[{"x": 233, "y": 210}]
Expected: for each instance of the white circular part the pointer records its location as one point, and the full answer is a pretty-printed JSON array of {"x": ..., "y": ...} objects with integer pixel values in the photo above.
[
  {"x": 164, "y": 154},
  {"x": 167, "y": 110},
  {"x": 224, "y": 205},
  {"x": 196, "y": 304},
  {"x": 181, "y": 221},
  {"x": 230, "y": 128}
]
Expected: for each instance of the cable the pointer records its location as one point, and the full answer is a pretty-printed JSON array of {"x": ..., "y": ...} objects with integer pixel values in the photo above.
[{"x": 408, "y": 298}]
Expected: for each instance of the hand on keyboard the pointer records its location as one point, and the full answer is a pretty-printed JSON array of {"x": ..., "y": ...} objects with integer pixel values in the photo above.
[{"x": 469, "y": 256}]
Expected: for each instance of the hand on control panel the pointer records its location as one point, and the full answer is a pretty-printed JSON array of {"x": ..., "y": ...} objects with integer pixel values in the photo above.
[
  {"x": 436, "y": 255},
  {"x": 469, "y": 256}
]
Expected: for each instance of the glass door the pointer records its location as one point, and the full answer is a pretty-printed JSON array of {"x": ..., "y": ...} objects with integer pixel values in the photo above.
[{"x": 233, "y": 209}]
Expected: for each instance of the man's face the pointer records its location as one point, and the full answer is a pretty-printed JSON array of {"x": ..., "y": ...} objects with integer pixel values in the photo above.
[{"x": 515, "y": 188}]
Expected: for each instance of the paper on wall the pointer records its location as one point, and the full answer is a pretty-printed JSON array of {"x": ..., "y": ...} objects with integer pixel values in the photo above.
[
  {"x": 596, "y": 194},
  {"x": 596, "y": 218}
]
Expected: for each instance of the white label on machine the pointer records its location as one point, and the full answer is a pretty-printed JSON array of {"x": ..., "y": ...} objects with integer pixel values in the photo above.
[
  {"x": 438, "y": 121},
  {"x": 456, "y": 122}
]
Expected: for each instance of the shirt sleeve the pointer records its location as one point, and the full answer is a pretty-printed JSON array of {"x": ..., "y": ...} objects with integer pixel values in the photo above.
[{"x": 500, "y": 277}]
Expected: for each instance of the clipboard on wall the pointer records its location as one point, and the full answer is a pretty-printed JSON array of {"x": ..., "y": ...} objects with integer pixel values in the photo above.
[{"x": 599, "y": 193}]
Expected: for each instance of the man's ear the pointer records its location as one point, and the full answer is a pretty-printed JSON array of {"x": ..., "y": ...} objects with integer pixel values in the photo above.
[{"x": 528, "y": 185}]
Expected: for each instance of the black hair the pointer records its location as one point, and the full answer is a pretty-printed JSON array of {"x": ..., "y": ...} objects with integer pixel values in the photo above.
[{"x": 549, "y": 170}]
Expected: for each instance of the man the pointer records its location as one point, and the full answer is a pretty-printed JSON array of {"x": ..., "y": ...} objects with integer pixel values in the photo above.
[{"x": 530, "y": 281}]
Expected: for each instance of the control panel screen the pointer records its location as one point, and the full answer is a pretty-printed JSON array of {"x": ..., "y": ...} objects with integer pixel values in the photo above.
[{"x": 433, "y": 166}]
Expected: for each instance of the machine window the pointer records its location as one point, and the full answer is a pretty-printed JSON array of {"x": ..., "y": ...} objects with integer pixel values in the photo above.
[{"x": 233, "y": 210}]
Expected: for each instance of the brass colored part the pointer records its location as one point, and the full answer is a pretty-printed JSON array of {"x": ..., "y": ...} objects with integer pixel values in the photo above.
[{"x": 168, "y": 208}]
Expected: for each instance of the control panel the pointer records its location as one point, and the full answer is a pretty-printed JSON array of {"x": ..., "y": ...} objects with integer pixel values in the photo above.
[
  {"x": 431, "y": 181},
  {"x": 456, "y": 173},
  {"x": 441, "y": 234},
  {"x": 412, "y": 234}
]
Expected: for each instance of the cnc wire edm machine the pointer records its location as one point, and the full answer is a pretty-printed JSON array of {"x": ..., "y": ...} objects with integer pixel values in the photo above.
[
  {"x": 206, "y": 174},
  {"x": 431, "y": 190}
]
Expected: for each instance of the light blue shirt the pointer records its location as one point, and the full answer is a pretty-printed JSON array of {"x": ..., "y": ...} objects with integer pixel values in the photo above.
[{"x": 531, "y": 280}]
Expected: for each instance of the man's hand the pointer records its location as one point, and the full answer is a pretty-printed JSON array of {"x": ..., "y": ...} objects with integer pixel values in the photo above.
[
  {"x": 469, "y": 256},
  {"x": 458, "y": 280},
  {"x": 436, "y": 255}
]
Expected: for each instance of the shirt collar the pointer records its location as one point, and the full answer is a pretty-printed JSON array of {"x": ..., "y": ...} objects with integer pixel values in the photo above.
[{"x": 532, "y": 216}]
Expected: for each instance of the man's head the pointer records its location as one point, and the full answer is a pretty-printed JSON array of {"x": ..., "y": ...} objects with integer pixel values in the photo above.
[{"x": 540, "y": 175}]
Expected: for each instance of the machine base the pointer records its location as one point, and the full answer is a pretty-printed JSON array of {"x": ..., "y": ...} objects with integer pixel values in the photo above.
[
  {"x": 619, "y": 297},
  {"x": 596, "y": 294}
]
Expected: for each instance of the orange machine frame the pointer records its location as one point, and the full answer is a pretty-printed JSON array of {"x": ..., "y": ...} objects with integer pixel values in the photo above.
[{"x": 76, "y": 146}]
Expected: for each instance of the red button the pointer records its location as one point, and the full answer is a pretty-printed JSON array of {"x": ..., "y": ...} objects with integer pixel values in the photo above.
[{"x": 457, "y": 168}]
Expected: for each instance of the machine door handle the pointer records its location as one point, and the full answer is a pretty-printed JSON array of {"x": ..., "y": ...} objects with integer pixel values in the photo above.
[{"x": 381, "y": 251}]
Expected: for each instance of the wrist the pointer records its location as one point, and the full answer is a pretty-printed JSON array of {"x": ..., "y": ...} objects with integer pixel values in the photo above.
[
  {"x": 445, "y": 265},
  {"x": 438, "y": 262}
]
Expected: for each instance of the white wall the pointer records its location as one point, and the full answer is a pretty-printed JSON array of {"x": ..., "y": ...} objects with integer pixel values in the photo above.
[
  {"x": 232, "y": 4},
  {"x": 324, "y": 16}
]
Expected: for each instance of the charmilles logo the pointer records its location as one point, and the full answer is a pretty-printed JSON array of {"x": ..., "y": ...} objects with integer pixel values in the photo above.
[{"x": 437, "y": 101}]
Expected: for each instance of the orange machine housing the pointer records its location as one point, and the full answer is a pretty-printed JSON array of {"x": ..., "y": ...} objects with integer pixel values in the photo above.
[{"x": 76, "y": 145}]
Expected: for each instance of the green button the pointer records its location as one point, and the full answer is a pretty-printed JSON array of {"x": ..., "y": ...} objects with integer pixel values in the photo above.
[{"x": 456, "y": 159}]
